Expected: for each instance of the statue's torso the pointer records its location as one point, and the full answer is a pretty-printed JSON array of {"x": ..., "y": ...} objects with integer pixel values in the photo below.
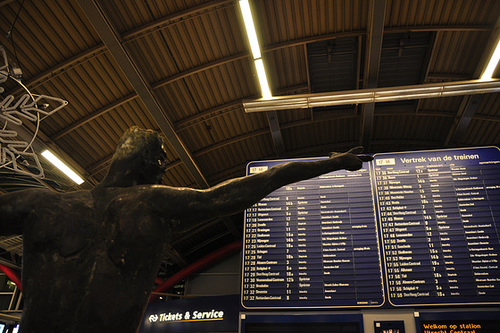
[{"x": 90, "y": 262}]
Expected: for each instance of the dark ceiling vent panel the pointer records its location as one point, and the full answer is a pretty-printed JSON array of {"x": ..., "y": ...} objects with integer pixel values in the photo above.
[
  {"x": 332, "y": 64},
  {"x": 404, "y": 57},
  {"x": 332, "y": 67}
]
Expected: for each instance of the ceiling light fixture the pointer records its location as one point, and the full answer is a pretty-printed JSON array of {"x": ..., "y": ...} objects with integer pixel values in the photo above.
[
  {"x": 62, "y": 166},
  {"x": 375, "y": 95},
  {"x": 261, "y": 73},
  {"x": 254, "y": 45},
  {"x": 492, "y": 64}
]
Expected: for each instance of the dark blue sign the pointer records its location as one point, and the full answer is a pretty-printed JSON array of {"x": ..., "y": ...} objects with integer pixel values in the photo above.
[
  {"x": 202, "y": 314},
  {"x": 313, "y": 244},
  {"x": 432, "y": 215},
  {"x": 439, "y": 212}
]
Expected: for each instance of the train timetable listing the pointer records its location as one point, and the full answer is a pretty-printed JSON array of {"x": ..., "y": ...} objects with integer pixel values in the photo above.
[
  {"x": 313, "y": 244},
  {"x": 439, "y": 214}
]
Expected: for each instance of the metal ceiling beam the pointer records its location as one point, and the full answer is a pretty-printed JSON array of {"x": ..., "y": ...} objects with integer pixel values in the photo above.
[
  {"x": 469, "y": 104},
  {"x": 5, "y": 2},
  {"x": 274, "y": 126},
  {"x": 183, "y": 15},
  {"x": 97, "y": 50},
  {"x": 125, "y": 99},
  {"x": 429, "y": 55},
  {"x": 466, "y": 111},
  {"x": 373, "y": 53},
  {"x": 189, "y": 122},
  {"x": 114, "y": 44}
]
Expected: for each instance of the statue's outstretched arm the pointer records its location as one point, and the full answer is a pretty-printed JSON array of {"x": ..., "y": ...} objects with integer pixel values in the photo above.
[
  {"x": 192, "y": 207},
  {"x": 14, "y": 209}
]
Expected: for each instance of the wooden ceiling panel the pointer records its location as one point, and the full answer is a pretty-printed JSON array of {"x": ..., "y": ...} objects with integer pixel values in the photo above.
[
  {"x": 322, "y": 137},
  {"x": 286, "y": 68},
  {"x": 482, "y": 132},
  {"x": 449, "y": 45},
  {"x": 281, "y": 21},
  {"x": 440, "y": 12},
  {"x": 489, "y": 106}
]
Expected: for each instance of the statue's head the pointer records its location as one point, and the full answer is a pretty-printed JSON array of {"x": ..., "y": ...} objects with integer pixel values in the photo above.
[{"x": 140, "y": 158}]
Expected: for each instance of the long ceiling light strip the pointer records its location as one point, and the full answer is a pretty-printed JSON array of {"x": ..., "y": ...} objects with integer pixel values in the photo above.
[
  {"x": 62, "y": 166},
  {"x": 254, "y": 45},
  {"x": 492, "y": 64},
  {"x": 433, "y": 90}
]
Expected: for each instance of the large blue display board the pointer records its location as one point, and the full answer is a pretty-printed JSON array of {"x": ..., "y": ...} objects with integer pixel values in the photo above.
[{"x": 412, "y": 228}]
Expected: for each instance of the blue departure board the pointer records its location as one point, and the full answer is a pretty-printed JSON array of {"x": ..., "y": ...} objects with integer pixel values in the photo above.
[
  {"x": 313, "y": 244},
  {"x": 411, "y": 228},
  {"x": 440, "y": 212}
]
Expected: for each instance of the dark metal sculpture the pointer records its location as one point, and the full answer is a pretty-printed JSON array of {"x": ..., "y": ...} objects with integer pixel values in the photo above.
[{"x": 91, "y": 257}]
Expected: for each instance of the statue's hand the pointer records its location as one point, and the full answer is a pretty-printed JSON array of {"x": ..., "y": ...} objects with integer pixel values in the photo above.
[{"x": 351, "y": 160}]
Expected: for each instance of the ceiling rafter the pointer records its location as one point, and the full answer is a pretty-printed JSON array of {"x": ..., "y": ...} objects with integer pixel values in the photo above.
[
  {"x": 99, "y": 49},
  {"x": 373, "y": 53},
  {"x": 94, "y": 115},
  {"x": 103, "y": 163},
  {"x": 177, "y": 17},
  {"x": 274, "y": 127},
  {"x": 426, "y": 64},
  {"x": 113, "y": 42},
  {"x": 199, "y": 69},
  {"x": 469, "y": 104}
]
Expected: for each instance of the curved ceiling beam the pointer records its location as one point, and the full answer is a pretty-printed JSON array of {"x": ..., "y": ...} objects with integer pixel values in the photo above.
[
  {"x": 97, "y": 167},
  {"x": 198, "y": 69},
  {"x": 95, "y": 114},
  {"x": 112, "y": 41},
  {"x": 77, "y": 59},
  {"x": 469, "y": 104},
  {"x": 62, "y": 67},
  {"x": 175, "y": 18},
  {"x": 100, "y": 49}
]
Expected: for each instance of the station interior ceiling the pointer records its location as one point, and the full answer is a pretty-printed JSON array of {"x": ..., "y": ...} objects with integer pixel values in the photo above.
[{"x": 184, "y": 68}]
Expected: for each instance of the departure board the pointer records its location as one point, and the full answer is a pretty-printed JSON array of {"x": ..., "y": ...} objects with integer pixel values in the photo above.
[
  {"x": 440, "y": 212},
  {"x": 411, "y": 228},
  {"x": 313, "y": 244}
]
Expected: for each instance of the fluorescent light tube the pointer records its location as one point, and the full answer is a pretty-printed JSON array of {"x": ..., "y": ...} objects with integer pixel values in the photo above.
[
  {"x": 261, "y": 73},
  {"x": 492, "y": 64},
  {"x": 61, "y": 166},
  {"x": 432, "y": 90},
  {"x": 250, "y": 27}
]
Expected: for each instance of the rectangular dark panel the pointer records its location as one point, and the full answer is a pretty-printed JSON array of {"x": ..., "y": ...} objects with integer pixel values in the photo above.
[
  {"x": 439, "y": 215},
  {"x": 313, "y": 244}
]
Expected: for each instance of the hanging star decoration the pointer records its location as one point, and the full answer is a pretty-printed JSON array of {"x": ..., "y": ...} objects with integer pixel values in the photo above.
[{"x": 17, "y": 154}]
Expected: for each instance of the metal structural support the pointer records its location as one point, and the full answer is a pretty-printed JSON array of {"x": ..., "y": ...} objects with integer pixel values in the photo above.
[
  {"x": 112, "y": 40},
  {"x": 274, "y": 125},
  {"x": 375, "y": 95},
  {"x": 469, "y": 105},
  {"x": 373, "y": 54},
  {"x": 466, "y": 111}
]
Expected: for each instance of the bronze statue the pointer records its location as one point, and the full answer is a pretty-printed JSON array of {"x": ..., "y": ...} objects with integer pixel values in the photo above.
[{"x": 91, "y": 257}]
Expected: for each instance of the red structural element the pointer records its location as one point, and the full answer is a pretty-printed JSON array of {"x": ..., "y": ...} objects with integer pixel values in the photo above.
[
  {"x": 13, "y": 275},
  {"x": 196, "y": 266}
]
